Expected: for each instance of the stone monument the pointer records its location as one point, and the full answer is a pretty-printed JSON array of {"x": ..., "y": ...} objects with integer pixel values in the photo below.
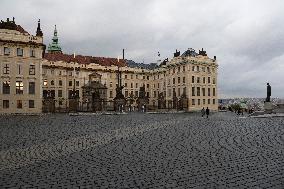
[
  {"x": 268, "y": 106},
  {"x": 142, "y": 100}
]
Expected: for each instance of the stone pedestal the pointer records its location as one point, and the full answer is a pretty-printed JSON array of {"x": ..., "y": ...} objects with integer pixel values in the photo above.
[
  {"x": 279, "y": 108},
  {"x": 73, "y": 105},
  {"x": 268, "y": 107},
  {"x": 119, "y": 104}
]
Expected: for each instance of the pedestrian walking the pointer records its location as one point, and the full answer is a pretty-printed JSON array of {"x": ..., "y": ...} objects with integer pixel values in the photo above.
[
  {"x": 207, "y": 112},
  {"x": 202, "y": 112}
]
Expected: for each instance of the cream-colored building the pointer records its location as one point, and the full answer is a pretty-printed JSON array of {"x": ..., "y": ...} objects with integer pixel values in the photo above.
[
  {"x": 20, "y": 69},
  {"x": 190, "y": 75}
]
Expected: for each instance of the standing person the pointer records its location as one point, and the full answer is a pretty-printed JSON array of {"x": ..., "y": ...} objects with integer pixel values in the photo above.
[
  {"x": 207, "y": 112},
  {"x": 202, "y": 112}
]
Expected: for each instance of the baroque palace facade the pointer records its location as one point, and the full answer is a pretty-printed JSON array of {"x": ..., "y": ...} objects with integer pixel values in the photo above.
[{"x": 33, "y": 80}]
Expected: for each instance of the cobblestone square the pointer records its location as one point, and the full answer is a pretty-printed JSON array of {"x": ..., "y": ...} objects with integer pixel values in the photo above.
[{"x": 141, "y": 151}]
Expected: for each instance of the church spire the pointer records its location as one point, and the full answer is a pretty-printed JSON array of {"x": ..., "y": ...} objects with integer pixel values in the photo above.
[
  {"x": 54, "y": 46},
  {"x": 38, "y": 30}
]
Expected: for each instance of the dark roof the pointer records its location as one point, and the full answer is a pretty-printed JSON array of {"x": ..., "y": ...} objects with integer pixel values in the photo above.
[
  {"x": 11, "y": 25},
  {"x": 132, "y": 64},
  {"x": 189, "y": 52},
  {"x": 20, "y": 29},
  {"x": 83, "y": 59}
]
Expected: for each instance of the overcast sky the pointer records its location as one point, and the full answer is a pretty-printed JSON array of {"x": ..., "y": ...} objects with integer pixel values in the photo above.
[{"x": 247, "y": 36}]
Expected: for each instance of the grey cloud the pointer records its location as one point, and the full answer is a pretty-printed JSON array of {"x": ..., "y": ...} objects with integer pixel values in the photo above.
[{"x": 246, "y": 36}]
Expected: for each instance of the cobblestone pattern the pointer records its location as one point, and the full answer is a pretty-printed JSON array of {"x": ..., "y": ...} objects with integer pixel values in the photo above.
[{"x": 141, "y": 151}]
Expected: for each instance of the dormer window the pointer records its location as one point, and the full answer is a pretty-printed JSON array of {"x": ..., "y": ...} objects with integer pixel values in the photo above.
[
  {"x": 20, "y": 52},
  {"x": 6, "y": 51}
]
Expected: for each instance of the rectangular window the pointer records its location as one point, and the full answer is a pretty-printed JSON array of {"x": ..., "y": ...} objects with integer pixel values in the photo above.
[
  {"x": 198, "y": 91},
  {"x": 6, "y": 87},
  {"x": 214, "y": 81},
  {"x": 193, "y": 101},
  {"x": 148, "y": 86},
  {"x": 20, "y": 52},
  {"x": 60, "y": 82},
  {"x": 6, "y": 69},
  {"x": 178, "y": 79},
  {"x": 5, "y": 104},
  {"x": 32, "y": 53},
  {"x": 214, "y": 92},
  {"x": 213, "y": 101},
  {"x": 59, "y": 93},
  {"x": 136, "y": 85},
  {"x": 31, "y": 87},
  {"x": 19, "y": 87},
  {"x": 70, "y": 83},
  {"x": 192, "y": 79},
  {"x": 19, "y": 104},
  {"x": 209, "y": 92},
  {"x": 125, "y": 76},
  {"x": 178, "y": 91},
  {"x": 70, "y": 73},
  {"x": 184, "y": 91},
  {"x": 31, "y": 103},
  {"x": 174, "y": 81},
  {"x": 183, "y": 68},
  {"x": 203, "y": 91},
  {"x": 208, "y": 79},
  {"x": 131, "y": 85},
  {"x": 208, "y": 69},
  {"x": 178, "y": 69},
  {"x": 193, "y": 91},
  {"x": 158, "y": 85},
  {"x": 183, "y": 79},
  {"x": 32, "y": 70},
  {"x": 7, "y": 51},
  {"x": 198, "y": 68},
  {"x": 169, "y": 92},
  {"x": 148, "y": 95},
  {"x": 198, "y": 79},
  {"x": 204, "y": 80},
  {"x": 77, "y": 83},
  {"x": 126, "y": 93},
  {"x": 193, "y": 68},
  {"x": 204, "y": 101},
  {"x": 19, "y": 69},
  {"x": 45, "y": 82},
  {"x": 77, "y": 93},
  {"x": 198, "y": 101},
  {"x": 110, "y": 94},
  {"x": 208, "y": 101},
  {"x": 148, "y": 78},
  {"x": 136, "y": 93}
]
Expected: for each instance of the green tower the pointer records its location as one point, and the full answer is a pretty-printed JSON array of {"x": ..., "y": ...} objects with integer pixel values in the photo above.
[{"x": 54, "y": 46}]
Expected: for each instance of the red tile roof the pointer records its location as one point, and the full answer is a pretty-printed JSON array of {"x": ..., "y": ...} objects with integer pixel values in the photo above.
[{"x": 84, "y": 59}]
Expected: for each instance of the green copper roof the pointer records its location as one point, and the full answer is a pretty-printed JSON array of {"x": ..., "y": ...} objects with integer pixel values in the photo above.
[{"x": 54, "y": 46}]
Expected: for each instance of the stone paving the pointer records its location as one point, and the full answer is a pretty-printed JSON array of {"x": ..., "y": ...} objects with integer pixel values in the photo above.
[{"x": 141, "y": 151}]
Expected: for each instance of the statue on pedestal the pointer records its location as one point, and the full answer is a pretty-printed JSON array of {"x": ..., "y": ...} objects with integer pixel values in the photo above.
[{"x": 268, "y": 93}]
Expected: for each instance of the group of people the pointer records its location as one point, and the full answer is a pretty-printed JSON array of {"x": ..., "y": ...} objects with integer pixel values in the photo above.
[{"x": 203, "y": 112}]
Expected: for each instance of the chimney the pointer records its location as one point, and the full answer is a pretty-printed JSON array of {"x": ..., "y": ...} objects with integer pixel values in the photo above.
[{"x": 214, "y": 57}]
